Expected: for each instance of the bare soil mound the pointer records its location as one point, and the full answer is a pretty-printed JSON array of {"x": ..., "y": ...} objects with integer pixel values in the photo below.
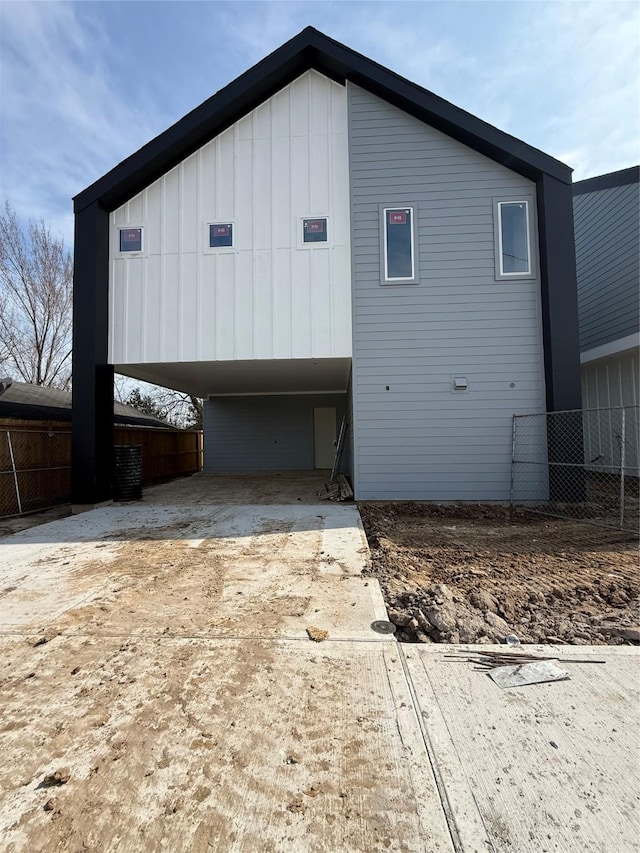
[{"x": 476, "y": 573}]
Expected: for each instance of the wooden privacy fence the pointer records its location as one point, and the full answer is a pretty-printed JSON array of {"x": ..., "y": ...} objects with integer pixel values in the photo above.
[
  {"x": 35, "y": 460},
  {"x": 166, "y": 453}
]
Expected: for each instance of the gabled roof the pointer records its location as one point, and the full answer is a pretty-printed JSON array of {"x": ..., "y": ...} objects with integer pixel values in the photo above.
[
  {"x": 310, "y": 49},
  {"x": 38, "y": 402},
  {"x": 608, "y": 181}
]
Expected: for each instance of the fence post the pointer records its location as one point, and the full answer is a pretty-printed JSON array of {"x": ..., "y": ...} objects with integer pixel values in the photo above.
[
  {"x": 623, "y": 460},
  {"x": 15, "y": 473},
  {"x": 513, "y": 459}
]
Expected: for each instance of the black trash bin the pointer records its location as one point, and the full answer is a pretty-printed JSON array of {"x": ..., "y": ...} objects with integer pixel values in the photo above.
[{"x": 127, "y": 480}]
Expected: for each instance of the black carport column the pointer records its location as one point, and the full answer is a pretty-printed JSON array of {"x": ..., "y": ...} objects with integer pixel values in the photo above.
[
  {"x": 559, "y": 294},
  {"x": 92, "y": 416}
]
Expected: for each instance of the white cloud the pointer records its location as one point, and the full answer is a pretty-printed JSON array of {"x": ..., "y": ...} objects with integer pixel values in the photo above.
[
  {"x": 64, "y": 122},
  {"x": 570, "y": 72}
]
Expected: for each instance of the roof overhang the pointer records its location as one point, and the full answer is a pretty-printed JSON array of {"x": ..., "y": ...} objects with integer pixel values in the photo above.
[
  {"x": 606, "y": 182},
  {"x": 310, "y": 49}
]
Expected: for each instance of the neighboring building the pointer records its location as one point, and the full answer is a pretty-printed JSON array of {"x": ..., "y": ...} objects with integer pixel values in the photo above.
[
  {"x": 607, "y": 228},
  {"x": 323, "y": 237},
  {"x": 23, "y": 401}
]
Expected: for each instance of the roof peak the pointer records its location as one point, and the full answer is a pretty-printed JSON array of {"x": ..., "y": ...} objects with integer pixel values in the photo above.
[{"x": 309, "y": 49}]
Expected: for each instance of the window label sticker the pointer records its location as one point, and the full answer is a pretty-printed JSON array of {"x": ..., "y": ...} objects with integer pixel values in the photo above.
[{"x": 397, "y": 217}]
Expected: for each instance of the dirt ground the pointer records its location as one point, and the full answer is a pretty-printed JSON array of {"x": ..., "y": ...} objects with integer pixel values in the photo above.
[{"x": 478, "y": 573}]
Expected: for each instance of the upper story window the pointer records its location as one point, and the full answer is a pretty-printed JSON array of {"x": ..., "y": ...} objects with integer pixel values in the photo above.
[
  {"x": 514, "y": 241},
  {"x": 220, "y": 235},
  {"x": 314, "y": 230},
  {"x": 131, "y": 239},
  {"x": 398, "y": 245}
]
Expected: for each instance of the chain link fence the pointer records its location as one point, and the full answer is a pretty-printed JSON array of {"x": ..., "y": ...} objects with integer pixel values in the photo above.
[
  {"x": 580, "y": 464},
  {"x": 35, "y": 470}
]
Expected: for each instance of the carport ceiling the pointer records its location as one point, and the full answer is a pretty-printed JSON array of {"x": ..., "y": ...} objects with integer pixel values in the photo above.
[{"x": 207, "y": 378}]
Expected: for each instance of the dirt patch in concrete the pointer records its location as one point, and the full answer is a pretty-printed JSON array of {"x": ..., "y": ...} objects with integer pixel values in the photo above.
[{"x": 478, "y": 573}]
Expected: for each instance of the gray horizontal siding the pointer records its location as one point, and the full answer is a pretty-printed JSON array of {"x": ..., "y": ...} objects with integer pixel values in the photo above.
[
  {"x": 607, "y": 229},
  {"x": 418, "y": 439},
  {"x": 267, "y": 433}
]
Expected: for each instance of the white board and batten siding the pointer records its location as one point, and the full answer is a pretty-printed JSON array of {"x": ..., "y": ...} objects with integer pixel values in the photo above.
[
  {"x": 420, "y": 439},
  {"x": 270, "y": 296}
]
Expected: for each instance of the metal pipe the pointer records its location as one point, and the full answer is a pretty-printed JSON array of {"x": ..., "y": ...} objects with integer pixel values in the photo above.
[
  {"x": 623, "y": 460},
  {"x": 15, "y": 473}
]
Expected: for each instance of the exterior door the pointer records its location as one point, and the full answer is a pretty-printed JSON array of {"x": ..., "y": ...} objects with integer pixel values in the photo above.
[{"x": 324, "y": 436}]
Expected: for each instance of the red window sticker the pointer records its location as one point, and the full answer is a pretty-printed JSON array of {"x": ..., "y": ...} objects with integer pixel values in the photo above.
[
  {"x": 220, "y": 230},
  {"x": 131, "y": 236},
  {"x": 397, "y": 217},
  {"x": 314, "y": 225}
]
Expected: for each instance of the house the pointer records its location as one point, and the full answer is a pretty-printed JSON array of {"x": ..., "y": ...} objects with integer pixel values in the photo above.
[
  {"x": 324, "y": 238},
  {"x": 607, "y": 228},
  {"x": 607, "y": 233},
  {"x": 27, "y": 402}
]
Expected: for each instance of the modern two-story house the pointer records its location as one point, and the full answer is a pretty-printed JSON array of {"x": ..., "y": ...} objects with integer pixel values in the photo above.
[{"x": 325, "y": 239}]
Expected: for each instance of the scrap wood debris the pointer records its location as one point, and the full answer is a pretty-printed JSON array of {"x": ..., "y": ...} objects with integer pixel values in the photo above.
[
  {"x": 340, "y": 490},
  {"x": 486, "y": 660}
]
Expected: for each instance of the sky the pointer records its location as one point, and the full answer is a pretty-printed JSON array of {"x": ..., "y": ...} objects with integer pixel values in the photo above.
[{"x": 85, "y": 84}]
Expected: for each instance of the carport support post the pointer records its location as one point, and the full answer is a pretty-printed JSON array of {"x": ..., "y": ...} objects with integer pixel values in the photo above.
[
  {"x": 92, "y": 415},
  {"x": 559, "y": 294}
]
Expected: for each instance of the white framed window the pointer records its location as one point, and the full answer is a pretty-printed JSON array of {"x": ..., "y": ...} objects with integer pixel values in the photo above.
[
  {"x": 129, "y": 240},
  {"x": 513, "y": 239},
  {"x": 398, "y": 251},
  {"x": 219, "y": 235}
]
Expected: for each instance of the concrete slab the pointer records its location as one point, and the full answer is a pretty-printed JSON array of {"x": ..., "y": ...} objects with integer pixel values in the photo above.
[
  {"x": 194, "y": 745},
  {"x": 540, "y": 768},
  {"x": 278, "y": 487},
  {"x": 241, "y": 571},
  {"x": 178, "y": 686}
]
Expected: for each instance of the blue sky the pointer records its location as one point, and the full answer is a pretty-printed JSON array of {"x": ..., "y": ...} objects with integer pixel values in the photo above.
[{"x": 83, "y": 85}]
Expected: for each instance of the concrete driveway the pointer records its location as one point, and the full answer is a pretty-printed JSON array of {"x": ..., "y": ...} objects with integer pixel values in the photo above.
[
  {"x": 158, "y": 651},
  {"x": 156, "y": 656}
]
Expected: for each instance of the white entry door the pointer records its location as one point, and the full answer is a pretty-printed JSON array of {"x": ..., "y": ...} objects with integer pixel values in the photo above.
[{"x": 324, "y": 436}]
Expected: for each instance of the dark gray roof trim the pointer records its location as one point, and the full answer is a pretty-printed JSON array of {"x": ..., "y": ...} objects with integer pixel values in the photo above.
[
  {"x": 606, "y": 182},
  {"x": 309, "y": 49}
]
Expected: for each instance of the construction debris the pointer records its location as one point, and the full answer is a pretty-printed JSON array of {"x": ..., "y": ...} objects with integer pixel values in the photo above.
[
  {"x": 486, "y": 660},
  {"x": 59, "y": 777},
  {"x": 339, "y": 491},
  {"x": 536, "y": 672},
  {"x": 317, "y": 634}
]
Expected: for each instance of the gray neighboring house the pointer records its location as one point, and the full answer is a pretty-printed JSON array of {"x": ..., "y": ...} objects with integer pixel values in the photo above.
[
  {"x": 320, "y": 238},
  {"x": 607, "y": 229},
  {"x": 28, "y": 402}
]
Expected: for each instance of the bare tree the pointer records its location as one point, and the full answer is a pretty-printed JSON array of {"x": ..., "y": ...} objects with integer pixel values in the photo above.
[
  {"x": 175, "y": 407},
  {"x": 36, "y": 276}
]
